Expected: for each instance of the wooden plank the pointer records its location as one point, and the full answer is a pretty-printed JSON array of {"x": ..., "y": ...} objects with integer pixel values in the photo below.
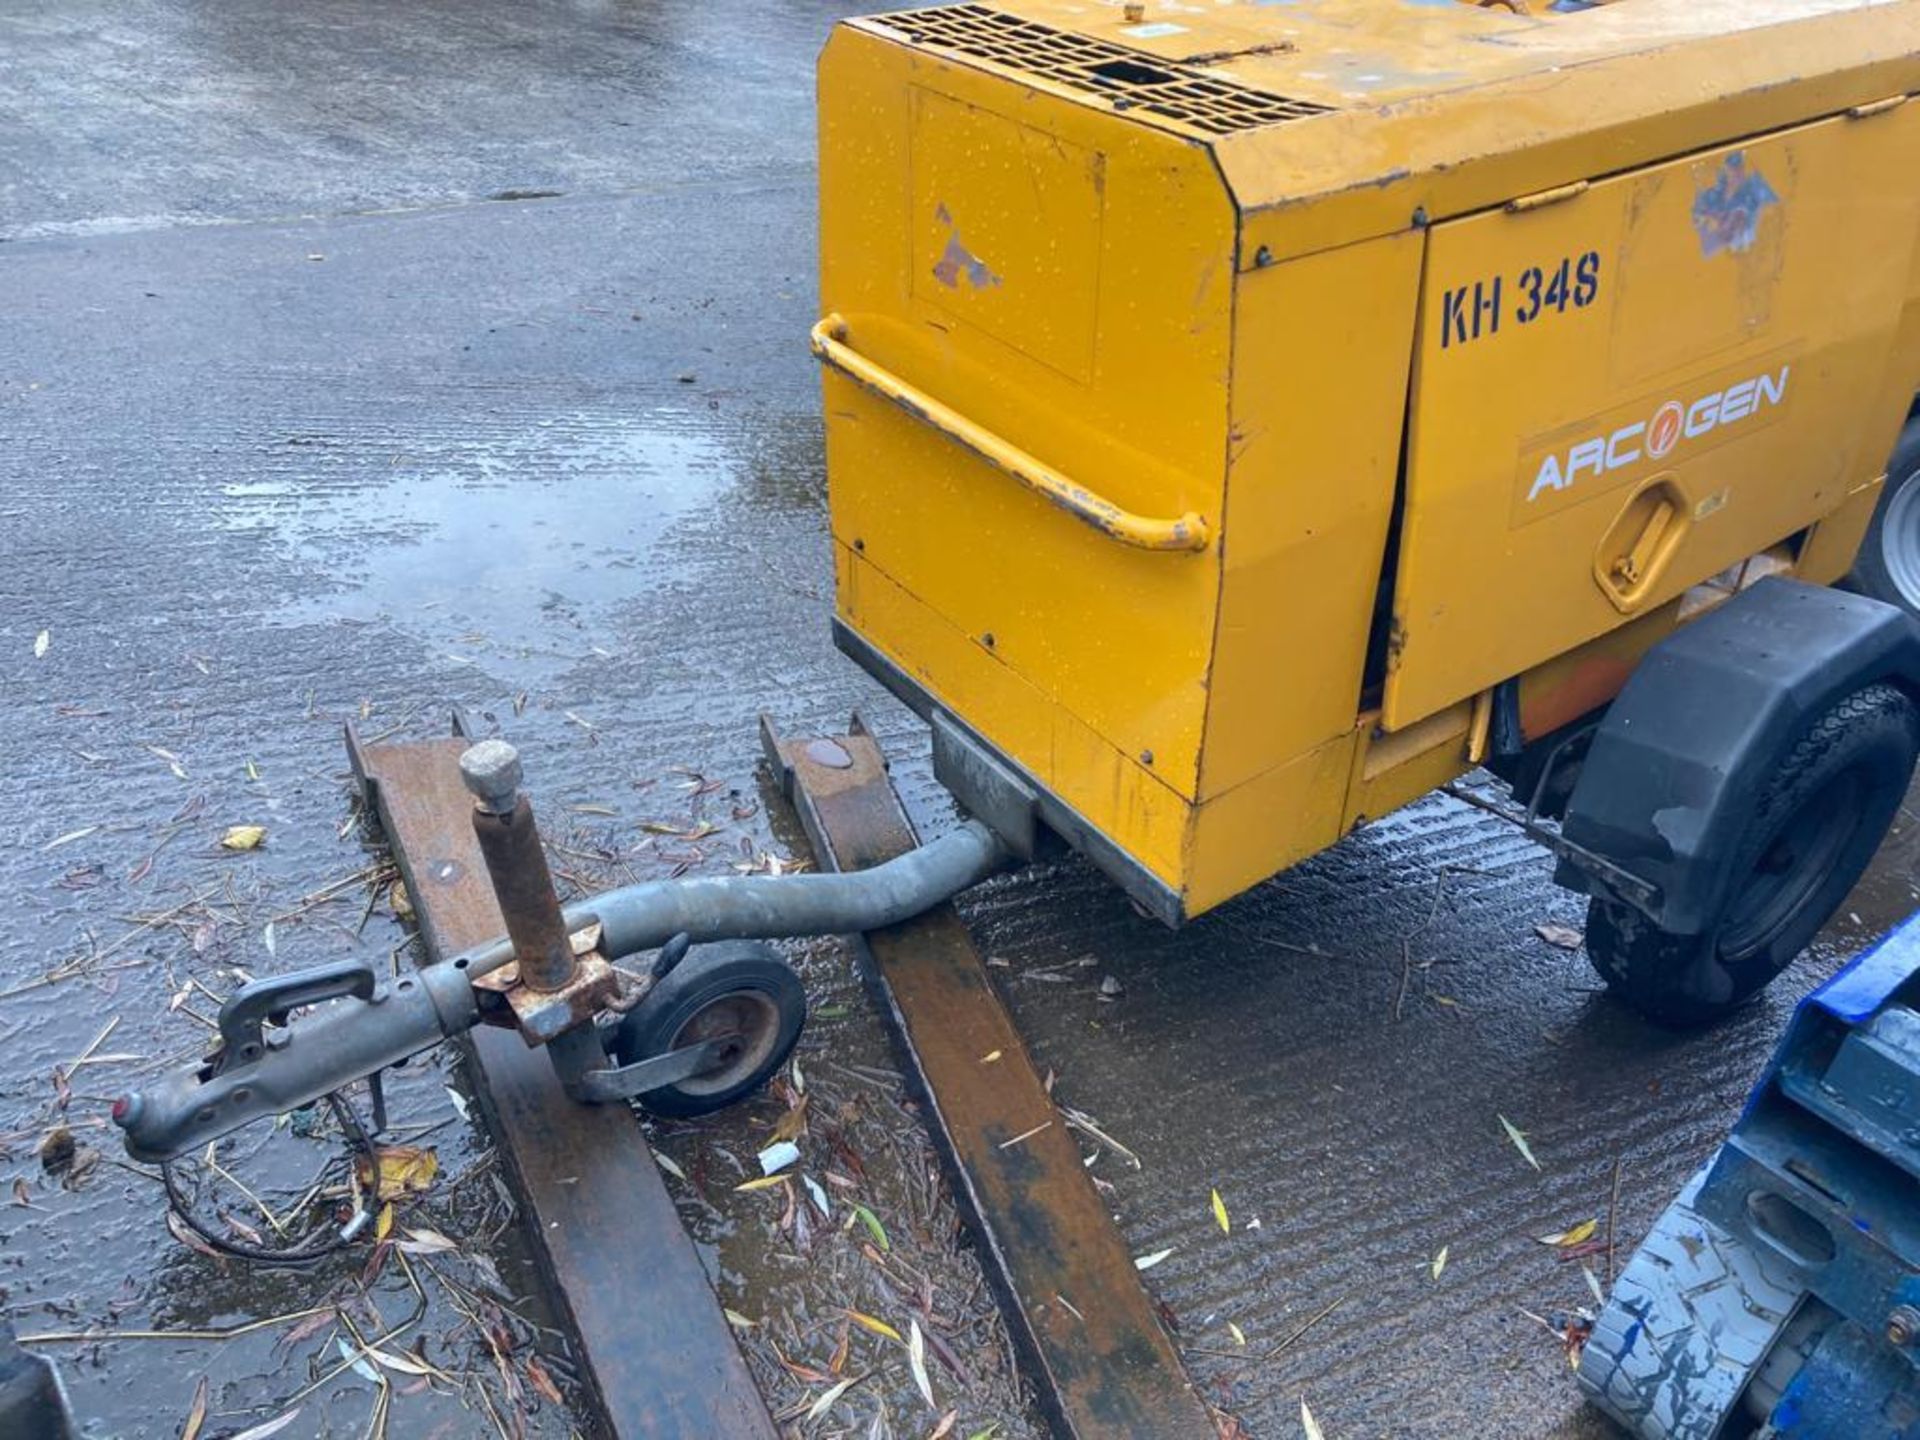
[
  {"x": 651, "y": 1337},
  {"x": 1105, "y": 1367}
]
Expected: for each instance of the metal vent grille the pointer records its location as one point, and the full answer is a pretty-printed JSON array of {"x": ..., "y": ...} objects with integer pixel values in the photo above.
[{"x": 1132, "y": 79}]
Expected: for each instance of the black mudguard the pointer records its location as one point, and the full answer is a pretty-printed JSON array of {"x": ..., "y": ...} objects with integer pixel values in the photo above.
[{"x": 1677, "y": 764}]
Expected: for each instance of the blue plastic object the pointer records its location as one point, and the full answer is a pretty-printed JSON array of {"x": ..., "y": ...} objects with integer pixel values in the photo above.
[{"x": 1779, "y": 1297}]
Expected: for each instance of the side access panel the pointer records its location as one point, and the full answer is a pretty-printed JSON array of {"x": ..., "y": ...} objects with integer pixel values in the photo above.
[{"x": 1626, "y": 387}]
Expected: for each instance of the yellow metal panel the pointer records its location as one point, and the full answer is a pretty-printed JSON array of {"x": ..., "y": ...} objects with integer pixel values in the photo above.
[
  {"x": 1394, "y": 770},
  {"x": 1558, "y": 479},
  {"x": 1309, "y": 497},
  {"x": 986, "y": 186},
  {"x": 1832, "y": 544},
  {"x": 1064, "y": 283},
  {"x": 1447, "y": 109},
  {"x": 1454, "y": 126},
  {"x": 1274, "y": 820},
  {"x": 1113, "y": 793}
]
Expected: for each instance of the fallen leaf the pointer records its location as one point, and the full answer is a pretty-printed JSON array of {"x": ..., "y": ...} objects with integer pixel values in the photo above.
[
  {"x": 21, "y": 1195},
  {"x": 309, "y": 1327},
  {"x": 670, "y": 1165},
  {"x": 399, "y": 1364},
  {"x": 383, "y": 1223},
  {"x": 945, "y": 1427},
  {"x": 1573, "y": 1235},
  {"x": 179, "y": 1230},
  {"x": 874, "y": 1227},
  {"x": 764, "y": 1182},
  {"x": 69, "y": 838},
  {"x": 270, "y": 1427},
  {"x": 356, "y": 1362},
  {"x": 739, "y": 1321},
  {"x": 400, "y": 900},
  {"x": 789, "y": 1125},
  {"x": 698, "y": 831},
  {"x": 827, "y": 1397},
  {"x": 1220, "y": 1214},
  {"x": 57, "y": 1150},
  {"x": 543, "y": 1382},
  {"x": 878, "y": 1327},
  {"x": 1519, "y": 1139},
  {"x": 1309, "y": 1424},
  {"x": 991, "y": 1057},
  {"x": 1599, "y": 1295},
  {"x": 243, "y": 837},
  {"x": 820, "y": 1201},
  {"x": 196, "y": 1412},
  {"x": 404, "y": 1169},
  {"x": 1239, "y": 1335},
  {"x": 1440, "y": 1262},
  {"x": 1562, "y": 936},
  {"x": 426, "y": 1242},
  {"x": 917, "y": 1360},
  {"x": 1147, "y": 1262},
  {"x": 458, "y": 1101},
  {"x": 40, "y": 644}
]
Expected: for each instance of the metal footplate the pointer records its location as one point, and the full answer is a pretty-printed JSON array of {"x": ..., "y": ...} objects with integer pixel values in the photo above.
[
  {"x": 1778, "y": 1297},
  {"x": 1103, "y": 1365}
]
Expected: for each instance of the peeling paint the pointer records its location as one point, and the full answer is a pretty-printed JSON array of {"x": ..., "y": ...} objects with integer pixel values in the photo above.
[
  {"x": 1726, "y": 213},
  {"x": 957, "y": 261}
]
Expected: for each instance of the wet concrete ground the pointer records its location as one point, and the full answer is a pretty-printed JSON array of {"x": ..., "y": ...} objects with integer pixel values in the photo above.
[{"x": 302, "y": 427}]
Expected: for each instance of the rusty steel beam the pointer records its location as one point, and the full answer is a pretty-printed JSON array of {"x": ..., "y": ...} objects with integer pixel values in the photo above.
[
  {"x": 1104, "y": 1366},
  {"x": 650, "y": 1336}
]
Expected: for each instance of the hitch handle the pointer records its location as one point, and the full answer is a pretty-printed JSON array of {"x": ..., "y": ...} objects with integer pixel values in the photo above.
[
  {"x": 268, "y": 1001},
  {"x": 1142, "y": 532}
]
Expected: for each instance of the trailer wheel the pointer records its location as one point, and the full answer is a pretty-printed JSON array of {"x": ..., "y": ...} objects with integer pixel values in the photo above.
[
  {"x": 1821, "y": 814},
  {"x": 738, "y": 991},
  {"x": 1888, "y": 565}
]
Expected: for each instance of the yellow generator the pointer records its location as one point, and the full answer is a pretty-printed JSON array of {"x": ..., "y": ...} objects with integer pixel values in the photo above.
[{"x": 1243, "y": 418}]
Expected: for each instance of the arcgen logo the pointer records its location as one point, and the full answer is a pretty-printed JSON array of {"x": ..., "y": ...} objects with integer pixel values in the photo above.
[{"x": 1656, "y": 437}]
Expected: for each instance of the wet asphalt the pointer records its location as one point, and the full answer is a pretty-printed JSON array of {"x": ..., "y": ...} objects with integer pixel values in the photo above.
[{"x": 303, "y": 423}]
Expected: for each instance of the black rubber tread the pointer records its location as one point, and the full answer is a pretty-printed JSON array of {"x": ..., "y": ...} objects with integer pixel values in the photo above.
[
  {"x": 1870, "y": 576},
  {"x": 706, "y": 974},
  {"x": 1686, "y": 979},
  {"x": 1689, "y": 1324}
]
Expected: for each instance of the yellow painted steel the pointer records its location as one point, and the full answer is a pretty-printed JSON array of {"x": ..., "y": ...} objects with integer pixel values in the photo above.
[
  {"x": 1184, "y": 532},
  {"x": 1221, "y": 401}
]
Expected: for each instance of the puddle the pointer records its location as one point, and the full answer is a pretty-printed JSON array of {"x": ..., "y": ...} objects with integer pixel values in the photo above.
[{"x": 503, "y": 543}]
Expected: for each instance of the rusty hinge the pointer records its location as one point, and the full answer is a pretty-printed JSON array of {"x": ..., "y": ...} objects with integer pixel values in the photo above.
[
  {"x": 1877, "y": 107},
  {"x": 1540, "y": 199}
]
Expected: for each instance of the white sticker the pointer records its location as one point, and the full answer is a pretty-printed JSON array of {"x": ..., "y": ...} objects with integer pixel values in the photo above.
[{"x": 1157, "y": 31}]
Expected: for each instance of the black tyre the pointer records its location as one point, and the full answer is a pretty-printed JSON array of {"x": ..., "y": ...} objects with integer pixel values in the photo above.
[
  {"x": 738, "y": 991},
  {"x": 1888, "y": 565},
  {"x": 1820, "y": 817}
]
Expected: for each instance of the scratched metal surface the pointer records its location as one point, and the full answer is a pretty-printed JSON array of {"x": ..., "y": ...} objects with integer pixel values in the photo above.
[{"x": 250, "y": 493}]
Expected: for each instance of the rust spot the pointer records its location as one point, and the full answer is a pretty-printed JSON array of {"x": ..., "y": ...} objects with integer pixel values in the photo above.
[{"x": 956, "y": 261}]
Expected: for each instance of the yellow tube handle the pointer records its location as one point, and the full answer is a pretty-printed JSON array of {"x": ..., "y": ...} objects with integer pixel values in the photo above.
[{"x": 1143, "y": 532}]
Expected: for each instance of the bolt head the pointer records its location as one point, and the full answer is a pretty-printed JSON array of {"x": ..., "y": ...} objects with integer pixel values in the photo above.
[
  {"x": 1903, "y": 1326},
  {"x": 491, "y": 771}
]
